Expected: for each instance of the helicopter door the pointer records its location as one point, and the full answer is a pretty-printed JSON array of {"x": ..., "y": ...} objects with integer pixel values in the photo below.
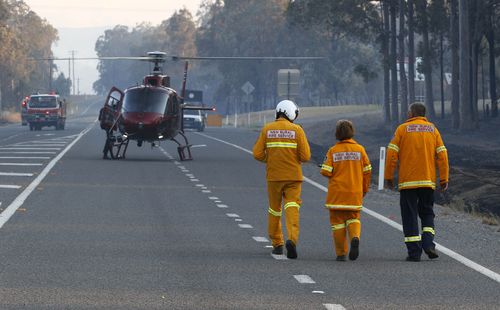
[{"x": 111, "y": 109}]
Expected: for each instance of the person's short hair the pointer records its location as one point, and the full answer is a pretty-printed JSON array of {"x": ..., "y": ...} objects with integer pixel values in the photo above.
[
  {"x": 417, "y": 109},
  {"x": 344, "y": 130}
]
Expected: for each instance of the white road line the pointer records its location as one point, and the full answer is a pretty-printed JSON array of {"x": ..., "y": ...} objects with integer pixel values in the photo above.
[
  {"x": 11, "y": 209},
  {"x": 31, "y": 148},
  {"x": 467, "y": 262},
  {"x": 15, "y": 174},
  {"x": 318, "y": 292},
  {"x": 232, "y": 215},
  {"x": 222, "y": 206},
  {"x": 217, "y": 201},
  {"x": 245, "y": 226},
  {"x": 279, "y": 257},
  {"x": 194, "y": 180},
  {"x": 37, "y": 145},
  {"x": 206, "y": 191},
  {"x": 238, "y": 220},
  {"x": 213, "y": 198},
  {"x": 10, "y": 186},
  {"x": 260, "y": 239},
  {"x": 28, "y": 152},
  {"x": 198, "y": 145},
  {"x": 23, "y": 157},
  {"x": 200, "y": 185},
  {"x": 20, "y": 164},
  {"x": 333, "y": 307},
  {"x": 304, "y": 279}
]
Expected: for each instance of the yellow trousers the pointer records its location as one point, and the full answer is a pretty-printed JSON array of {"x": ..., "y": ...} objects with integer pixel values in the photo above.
[
  {"x": 344, "y": 223},
  {"x": 288, "y": 194}
]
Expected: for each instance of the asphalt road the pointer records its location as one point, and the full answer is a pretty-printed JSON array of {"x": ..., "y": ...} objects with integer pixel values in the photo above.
[{"x": 150, "y": 232}]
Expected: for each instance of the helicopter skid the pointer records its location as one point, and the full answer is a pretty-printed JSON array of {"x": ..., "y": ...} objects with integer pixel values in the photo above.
[{"x": 117, "y": 146}]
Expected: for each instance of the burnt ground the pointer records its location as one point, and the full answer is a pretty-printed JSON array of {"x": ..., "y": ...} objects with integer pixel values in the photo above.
[{"x": 474, "y": 157}]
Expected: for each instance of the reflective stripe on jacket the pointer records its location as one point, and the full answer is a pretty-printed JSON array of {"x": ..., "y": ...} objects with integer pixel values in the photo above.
[
  {"x": 418, "y": 147},
  {"x": 283, "y": 146},
  {"x": 349, "y": 171}
]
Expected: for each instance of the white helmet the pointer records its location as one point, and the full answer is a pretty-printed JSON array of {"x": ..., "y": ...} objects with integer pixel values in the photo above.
[{"x": 289, "y": 108}]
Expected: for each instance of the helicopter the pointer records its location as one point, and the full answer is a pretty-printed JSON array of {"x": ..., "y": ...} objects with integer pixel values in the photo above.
[{"x": 149, "y": 112}]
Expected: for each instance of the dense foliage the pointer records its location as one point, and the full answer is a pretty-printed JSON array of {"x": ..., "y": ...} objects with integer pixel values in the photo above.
[
  {"x": 363, "y": 42},
  {"x": 24, "y": 37}
]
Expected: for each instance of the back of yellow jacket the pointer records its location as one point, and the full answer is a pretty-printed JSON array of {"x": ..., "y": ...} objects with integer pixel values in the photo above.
[
  {"x": 349, "y": 171},
  {"x": 283, "y": 146},
  {"x": 417, "y": 145}
]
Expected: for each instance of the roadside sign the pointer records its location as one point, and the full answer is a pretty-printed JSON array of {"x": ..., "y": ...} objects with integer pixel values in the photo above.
[
  {"x": 288, "y": 82},
  {"x": 247, "y": 88}
]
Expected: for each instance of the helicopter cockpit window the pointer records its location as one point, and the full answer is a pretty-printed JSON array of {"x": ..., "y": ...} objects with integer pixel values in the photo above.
[
  {"x": 145, "y": 100},
  {"x": 43, "y": 102}
]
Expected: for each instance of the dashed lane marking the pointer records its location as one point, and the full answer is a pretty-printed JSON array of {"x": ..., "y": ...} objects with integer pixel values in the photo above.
[
  {"x": 222, "y": 206},
  {"x": 246, "y": 226},
  {"x": 10, "y": 186},
  {"x": 318, "y": 292},
  {"x": 456, "y": 256},
  {"x": 279, "y": 257},
  {"x": 31, "y": 148},
  {"x": 18, "y": 202},
  {"x": 232, "y": 215},
  {"x": 304, "y": 279},
  {"x": 333, "y": 307},
  {"x": 21, "y": 164},
  {"x": 238, "y": 220},
  {"x": 213, "y": 198},
  {"x": 260, "y": 239},
  {"x": 28, "y": 152},
  {"x": 200, "y": 185},
  {"x": 15, "y": 174},
  {"x": 195, "y": 180},
  {"x": 23, "y": 157},
  {"x": 206, "y": 191}
]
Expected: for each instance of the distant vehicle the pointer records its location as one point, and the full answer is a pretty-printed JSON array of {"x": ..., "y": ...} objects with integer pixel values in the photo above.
[
  {"x": 45, "y": 110},
  {"x": 24, "y": 111},
  {"x": 194, "y": 119}
]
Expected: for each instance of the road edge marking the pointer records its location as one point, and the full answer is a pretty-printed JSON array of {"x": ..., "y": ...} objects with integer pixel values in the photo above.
[
  {"x": 19, "y": 200},
  {"x": 456, "y": 256}
]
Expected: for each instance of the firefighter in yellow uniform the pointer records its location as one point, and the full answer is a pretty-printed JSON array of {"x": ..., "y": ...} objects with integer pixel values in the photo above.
[
  {"x": 349, "y": 171},
  {"x": 418, "y": 147},
  {"x": 283, "y": 146}
]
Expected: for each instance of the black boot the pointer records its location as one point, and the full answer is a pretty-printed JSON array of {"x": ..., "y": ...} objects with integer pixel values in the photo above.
[
  {"x": 354, "y": 252},
  {"x": 291, "y": 249}
]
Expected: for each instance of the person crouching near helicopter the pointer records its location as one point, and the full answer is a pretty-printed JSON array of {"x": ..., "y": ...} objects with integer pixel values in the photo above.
[
  {"x": 348, "y": 170},
  {"x": 283, "y": 146}
]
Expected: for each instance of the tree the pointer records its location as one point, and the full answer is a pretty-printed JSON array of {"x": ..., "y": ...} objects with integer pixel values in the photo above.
[
  {"x": 455, "y": 64},
  {"x": 393, "y": 65},
  {"x": 466, "y": 112},
  {"x": 490, "y": 36},
  {"x": 411, "y": 52},
  {"x": 421, "y": 6},
  {"x": 402, "y": 72}
]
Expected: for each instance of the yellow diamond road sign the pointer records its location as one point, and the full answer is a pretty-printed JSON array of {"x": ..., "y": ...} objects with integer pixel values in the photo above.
[{"x": 247, "y": 88}]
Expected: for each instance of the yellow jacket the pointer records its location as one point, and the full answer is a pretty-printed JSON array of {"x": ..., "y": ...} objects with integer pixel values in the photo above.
[
  {"x": 417, "y": 145},
  {"x": 349, "y": 171},
  {"x": 283, "y": 146}
]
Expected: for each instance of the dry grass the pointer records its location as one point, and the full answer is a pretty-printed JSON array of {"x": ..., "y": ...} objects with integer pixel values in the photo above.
[
  {"x": 10, "y": 117},
  {"x": 459, "y": 204},
  {"x": 253, "y": 119}
]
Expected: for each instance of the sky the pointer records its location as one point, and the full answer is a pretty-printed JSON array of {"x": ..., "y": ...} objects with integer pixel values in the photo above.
[{"x": 80, "y": 23}]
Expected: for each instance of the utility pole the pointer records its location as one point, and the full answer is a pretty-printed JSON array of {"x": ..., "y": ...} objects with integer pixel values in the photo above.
[{"x": 73, "y": 80}]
